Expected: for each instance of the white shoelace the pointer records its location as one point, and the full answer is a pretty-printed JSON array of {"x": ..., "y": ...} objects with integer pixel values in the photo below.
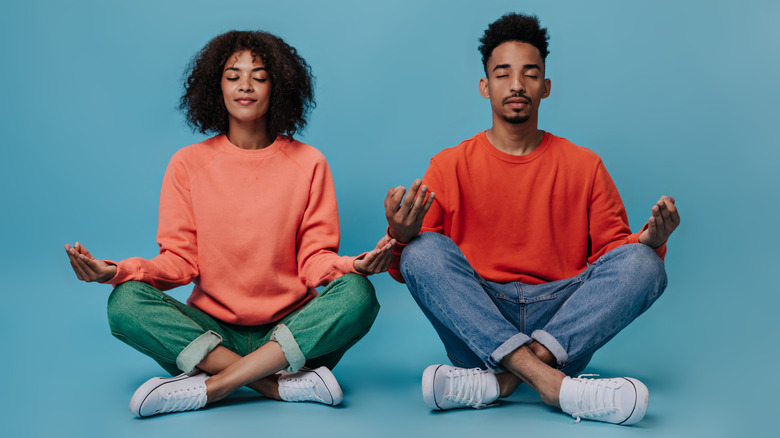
[
  {"x": 466, "y": 387},
  {"x": 300, "y": 390},
  {"x": 601, "y": 400},
  {"x": 183, "y": 400}
]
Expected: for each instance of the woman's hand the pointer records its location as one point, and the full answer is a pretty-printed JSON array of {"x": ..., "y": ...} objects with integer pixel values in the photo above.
[
  {"x": 86, "y": 267},
  {"x": 378, "y": 260}
]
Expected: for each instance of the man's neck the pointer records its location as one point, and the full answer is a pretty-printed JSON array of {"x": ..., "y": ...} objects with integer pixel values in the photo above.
[{"x": 519, "y": 139}]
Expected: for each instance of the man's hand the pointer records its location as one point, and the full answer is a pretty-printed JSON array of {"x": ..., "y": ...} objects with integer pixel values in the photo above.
[
  {"x": 86, "y": 267},
  {"x": 405, "y": 220},
  {"x": 378, "y": 260},
  {"x": 661, "y": 224}
]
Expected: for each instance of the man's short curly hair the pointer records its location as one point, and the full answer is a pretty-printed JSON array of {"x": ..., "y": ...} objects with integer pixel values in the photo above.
[
  {"x": 514, "y": 27},
  {"x": 292, "y": 90}
]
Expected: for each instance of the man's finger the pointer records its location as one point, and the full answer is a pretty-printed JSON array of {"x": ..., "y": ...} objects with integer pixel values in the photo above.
[
  {"x": 426, "y": 206},
  {"x": 412, "y": 195},
  {"x": 651, "y": 228},
  {"x": 398, "y": 198},
  {"x": 674, "y": 215},
  {"x": 391, "y": 202},
  {"x": 419, "y": 199}
]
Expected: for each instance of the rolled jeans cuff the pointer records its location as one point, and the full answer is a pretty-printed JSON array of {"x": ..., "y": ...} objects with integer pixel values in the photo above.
[
  {"x": 196, "y": 351},
  {"x": 292, "y": 352},
  {"x": 510, "y": 345},
  {"x": 549, "y": 342}
]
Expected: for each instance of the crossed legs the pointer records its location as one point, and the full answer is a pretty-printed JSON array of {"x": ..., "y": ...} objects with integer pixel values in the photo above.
[
  {"x": 257, "y": 370},
  {"x": 538, "y": 334},
  {"x": 181, "y": 338}
]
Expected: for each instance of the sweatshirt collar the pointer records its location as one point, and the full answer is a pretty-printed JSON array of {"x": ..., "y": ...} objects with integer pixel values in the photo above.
[{"x": 483, "y": 141}]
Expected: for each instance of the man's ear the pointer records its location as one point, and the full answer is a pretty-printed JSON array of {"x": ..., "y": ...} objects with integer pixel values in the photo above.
[
  {"x": 483, "y": 88},
  {"x": 547, "y": 87}
]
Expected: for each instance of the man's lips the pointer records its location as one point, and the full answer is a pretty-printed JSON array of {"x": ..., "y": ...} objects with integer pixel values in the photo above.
[{"x": 517, "y": 101}]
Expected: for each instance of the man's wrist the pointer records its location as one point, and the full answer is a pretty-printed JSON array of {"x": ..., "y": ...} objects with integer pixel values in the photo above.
[{"x": 402, "y": 240}]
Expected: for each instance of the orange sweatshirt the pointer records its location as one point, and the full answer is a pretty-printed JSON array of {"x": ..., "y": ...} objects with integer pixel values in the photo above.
[
  {"x": 255, "y": 230},
  {"x": 532, "y": 218}
]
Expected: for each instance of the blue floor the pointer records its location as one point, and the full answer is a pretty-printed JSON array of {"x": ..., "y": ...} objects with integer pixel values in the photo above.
[{"x": 68, "y": 377}]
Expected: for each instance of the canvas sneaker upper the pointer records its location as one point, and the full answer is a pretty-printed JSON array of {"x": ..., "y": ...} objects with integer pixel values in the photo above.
[
  {"x": 620, "y": 400},
  {"x": 162, "y": 395},
  {"x": 318, "y": 385},
  {"x": 449, "y": 387}
]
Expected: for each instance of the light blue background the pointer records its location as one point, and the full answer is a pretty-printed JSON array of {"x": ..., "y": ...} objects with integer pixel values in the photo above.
[{"x": 679, "y": 98}]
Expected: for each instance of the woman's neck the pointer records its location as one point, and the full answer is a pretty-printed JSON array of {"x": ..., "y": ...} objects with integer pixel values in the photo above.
[{"x": 249, "y": 136}]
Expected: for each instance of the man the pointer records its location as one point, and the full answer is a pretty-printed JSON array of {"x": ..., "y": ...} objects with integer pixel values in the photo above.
[{"x": 525, "y": 265}]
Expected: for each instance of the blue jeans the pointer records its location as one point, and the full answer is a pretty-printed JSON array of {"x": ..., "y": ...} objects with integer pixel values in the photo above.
[{"x": 481, "y": 321}]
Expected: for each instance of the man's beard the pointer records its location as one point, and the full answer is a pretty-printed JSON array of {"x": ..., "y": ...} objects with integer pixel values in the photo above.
[{"x": 516, "y": 119}]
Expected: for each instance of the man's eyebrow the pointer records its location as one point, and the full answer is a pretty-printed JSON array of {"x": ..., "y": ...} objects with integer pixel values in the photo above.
[{"x": 525, "y": 67}]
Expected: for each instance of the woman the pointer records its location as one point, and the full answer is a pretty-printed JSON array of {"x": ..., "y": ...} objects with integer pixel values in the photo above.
[{"x": 250, "y": 217}]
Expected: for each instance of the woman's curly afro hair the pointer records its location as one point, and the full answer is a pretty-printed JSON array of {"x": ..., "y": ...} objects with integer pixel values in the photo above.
[
  {"x": 292, "y": 90},
  {"x": 514, "y": 27}
]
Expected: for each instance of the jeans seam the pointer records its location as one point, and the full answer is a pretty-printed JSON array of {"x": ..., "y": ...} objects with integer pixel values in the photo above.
[
  {"x": 460, "y": 332},
  {"x": 617, "y": 328},
  {"x": 520, "y": 305},
  {"x": 144, "y": 350}
]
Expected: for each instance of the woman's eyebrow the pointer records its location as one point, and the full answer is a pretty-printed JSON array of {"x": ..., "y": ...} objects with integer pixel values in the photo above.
[{"x": 254, "y": 69}]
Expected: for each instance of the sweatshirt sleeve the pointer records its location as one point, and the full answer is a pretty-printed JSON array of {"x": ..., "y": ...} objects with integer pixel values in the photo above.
[
  {"x": 435, "y": 218},
  {"x": 318, "y": 236},
  {"x": 177, "y": 262},
  {"x": 608, "y": 222}
]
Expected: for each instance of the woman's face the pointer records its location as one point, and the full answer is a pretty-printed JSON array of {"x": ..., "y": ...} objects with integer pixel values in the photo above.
[{"x": 246, "y": 88}]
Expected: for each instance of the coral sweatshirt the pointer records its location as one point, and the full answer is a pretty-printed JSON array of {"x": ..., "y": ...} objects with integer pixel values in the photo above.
[
  {"x": 255, "y": 230},
  {"x": 532, "y": 218}
]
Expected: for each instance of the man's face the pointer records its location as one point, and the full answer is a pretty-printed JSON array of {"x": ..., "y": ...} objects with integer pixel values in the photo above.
[{"x": 515, "y": 82}]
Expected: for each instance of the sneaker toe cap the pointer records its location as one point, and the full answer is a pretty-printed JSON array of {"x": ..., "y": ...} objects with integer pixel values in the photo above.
[{"x": 634, "y": 400}]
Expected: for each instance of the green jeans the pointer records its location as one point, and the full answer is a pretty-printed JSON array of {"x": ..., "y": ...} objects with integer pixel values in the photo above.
[{"x": 179, "y": 336}]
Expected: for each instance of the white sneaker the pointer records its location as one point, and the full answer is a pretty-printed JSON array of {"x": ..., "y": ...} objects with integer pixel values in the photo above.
[
  {"x": 162, "y": 395},
  {"x": 448, "y": 387},
  {"x": 621, "y": 400},
  {"x": 318, "y": 385}
]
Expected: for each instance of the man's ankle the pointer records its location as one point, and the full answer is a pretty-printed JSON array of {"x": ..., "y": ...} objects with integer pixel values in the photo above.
[
  {"x": 543, "y": 354},
  {"x": 507, "y": 384}
]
